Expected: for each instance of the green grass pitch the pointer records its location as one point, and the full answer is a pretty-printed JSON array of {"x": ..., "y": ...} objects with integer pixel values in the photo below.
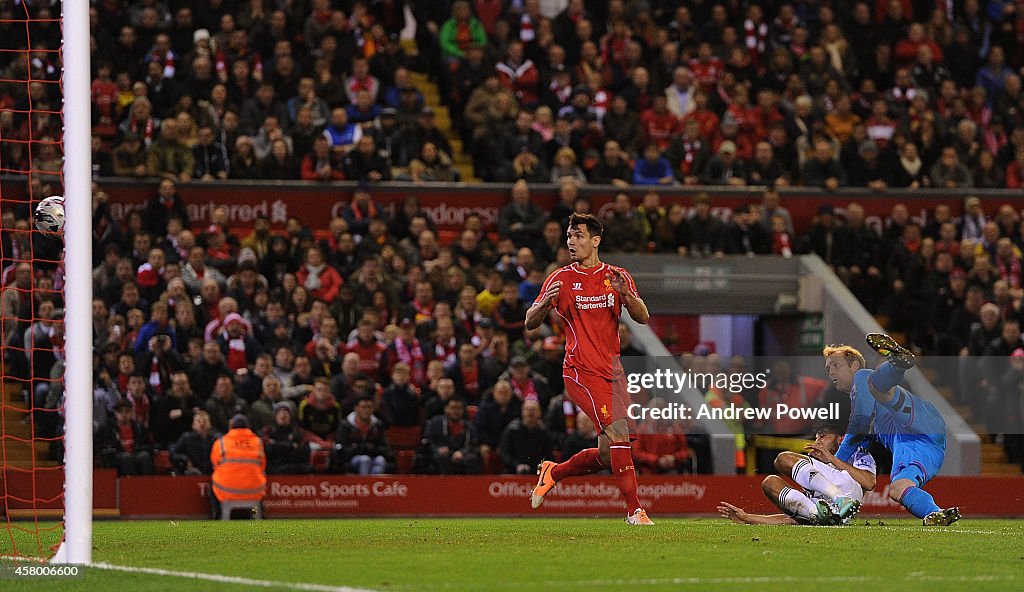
[{"x": 553, "y": 554}]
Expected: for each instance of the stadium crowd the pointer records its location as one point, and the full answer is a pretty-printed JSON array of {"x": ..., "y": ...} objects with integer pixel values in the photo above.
[
  {"x": 330, "y": 340},
  {"x": 892, "y": 93}
]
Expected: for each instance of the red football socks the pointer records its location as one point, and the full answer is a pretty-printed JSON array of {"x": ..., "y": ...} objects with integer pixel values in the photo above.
[
  {"x": 625, "y": 475},
  {"x": 583, "y": 462}
]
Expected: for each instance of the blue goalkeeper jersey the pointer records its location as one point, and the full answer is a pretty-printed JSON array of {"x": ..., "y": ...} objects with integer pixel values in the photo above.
[{"x": 906, "y": 421}]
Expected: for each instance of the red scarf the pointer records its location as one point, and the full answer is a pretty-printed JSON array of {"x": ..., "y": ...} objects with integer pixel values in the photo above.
[
  {"x": 236, "y": 354},
  {"x": 471, "y": 380},
  {"x": 780, "y": 244},
  {"x": 424, "y": 312},
  {"x": 413, "y": 357},
  {"x": 1009, "y": 272},
  {"x": 526, "y": 390},
  {"x": 154, "y": 375},
  {"x": 371, "y": 209},
  {"x": 446, "y": 352},
  {"x": 126, "y": 435}
]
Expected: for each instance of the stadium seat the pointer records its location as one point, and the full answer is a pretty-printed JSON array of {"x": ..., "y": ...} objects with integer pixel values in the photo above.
[
  {"x": 162, "y": 462},
  {"x": 405, "y": 460},
  {"x": 405, "y": 438},
  {"x": 320, "y": 460}
]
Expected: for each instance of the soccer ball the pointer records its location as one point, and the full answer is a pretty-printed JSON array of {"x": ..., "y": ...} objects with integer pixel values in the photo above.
[{"x": 50, "y": 214}]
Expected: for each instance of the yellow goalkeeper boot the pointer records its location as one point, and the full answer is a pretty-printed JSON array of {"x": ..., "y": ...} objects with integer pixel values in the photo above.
[{"x": 942, "y": 517}]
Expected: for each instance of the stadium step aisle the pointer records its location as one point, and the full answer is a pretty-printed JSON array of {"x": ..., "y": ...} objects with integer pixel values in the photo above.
[
  {"x": 18, "y": 449},
  {"x": 443, "y": 120}
]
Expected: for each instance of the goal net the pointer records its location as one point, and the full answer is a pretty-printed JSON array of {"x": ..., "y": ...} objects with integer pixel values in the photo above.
[{"x": 36, "y": 136}]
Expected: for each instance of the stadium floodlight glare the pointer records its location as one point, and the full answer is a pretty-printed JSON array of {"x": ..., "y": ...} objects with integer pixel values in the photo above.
[{"x": 77, "y": 544}]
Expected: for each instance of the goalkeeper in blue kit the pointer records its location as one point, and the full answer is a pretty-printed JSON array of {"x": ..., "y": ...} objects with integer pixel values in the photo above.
[{"x": 910, "y": 427}]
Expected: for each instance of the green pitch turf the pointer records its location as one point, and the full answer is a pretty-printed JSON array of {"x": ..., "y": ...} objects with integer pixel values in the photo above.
[{"x": 552, "y": 554}]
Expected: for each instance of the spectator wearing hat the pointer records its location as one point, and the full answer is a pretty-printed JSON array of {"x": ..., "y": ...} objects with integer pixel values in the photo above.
[
  {"x": 190, "y": 454},
  {"x": 361, "y": 445},
  {"x": 744, "y": 233},
  {"x": 408, "y": 350},
  {"x": 869, "y": 170},
  {"x": 526, "y": 384},
  {"x": 237, "y": 344},
  {"x": 239, "y": 466},
  {"x": 124, "y": 444},
  {"x": 130, "y": 157},
  {"x": 361, "y": 210},
  {"x": 725, "y": 168},
  {"x": 287, "y": 444}
]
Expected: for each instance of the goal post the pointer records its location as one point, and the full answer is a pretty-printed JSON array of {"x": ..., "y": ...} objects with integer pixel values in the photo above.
[{"x": 77, "y": 545}]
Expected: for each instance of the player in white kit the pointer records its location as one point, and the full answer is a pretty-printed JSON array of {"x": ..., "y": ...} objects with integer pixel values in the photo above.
[{"x": 827, "y": 484}]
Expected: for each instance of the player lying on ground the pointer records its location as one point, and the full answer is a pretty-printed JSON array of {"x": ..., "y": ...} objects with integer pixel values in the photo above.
[
  {"x": 832, "y": 489},
  {"x": 588, "y": 297},
  {"x": 907, "y": 425}
]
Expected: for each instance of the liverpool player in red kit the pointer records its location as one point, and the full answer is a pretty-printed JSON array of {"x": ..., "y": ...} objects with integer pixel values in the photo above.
[{"x": 588, "y": 297}]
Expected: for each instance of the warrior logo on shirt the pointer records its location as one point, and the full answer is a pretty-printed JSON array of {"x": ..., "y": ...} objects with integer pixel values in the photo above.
[{"x": 604, "y": 412}]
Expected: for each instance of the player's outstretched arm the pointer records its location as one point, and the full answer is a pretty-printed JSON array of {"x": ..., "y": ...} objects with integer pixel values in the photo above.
[
  {"x": 861, "y": 411},
  {"x": 740, "y": 516}
]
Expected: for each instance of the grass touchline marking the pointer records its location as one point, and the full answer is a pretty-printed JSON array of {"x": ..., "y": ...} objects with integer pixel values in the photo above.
[{"x": 228, "y": 579}]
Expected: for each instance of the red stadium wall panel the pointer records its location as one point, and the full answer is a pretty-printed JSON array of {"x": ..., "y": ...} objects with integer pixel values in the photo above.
[
  {"x": 46, "y": 487},
  {"x": 315, "y": 205},
  {"x": 507, "y": 495}
]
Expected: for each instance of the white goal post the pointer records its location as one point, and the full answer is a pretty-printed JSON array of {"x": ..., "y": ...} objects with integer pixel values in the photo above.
[{"x": 78, "y": 396}]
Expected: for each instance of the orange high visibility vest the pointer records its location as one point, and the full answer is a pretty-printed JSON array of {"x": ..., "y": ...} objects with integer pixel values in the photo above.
[{"x": 239, "y": 466}]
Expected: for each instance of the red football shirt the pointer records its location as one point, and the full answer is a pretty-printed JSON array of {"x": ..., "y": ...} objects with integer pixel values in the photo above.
[{"x": 590, "y": 309}]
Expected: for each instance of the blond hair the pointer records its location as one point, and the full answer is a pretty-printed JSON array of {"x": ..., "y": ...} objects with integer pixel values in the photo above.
[{"x": 848, "y": 351}]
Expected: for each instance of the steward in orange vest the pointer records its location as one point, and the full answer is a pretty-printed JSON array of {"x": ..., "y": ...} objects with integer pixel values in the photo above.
[{"x": 239, "y": 464}]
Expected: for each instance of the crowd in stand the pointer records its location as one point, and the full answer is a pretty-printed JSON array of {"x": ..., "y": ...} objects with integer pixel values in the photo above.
[
  {"x": 328, "y": 342},
  {"x": 886, "y": 94}
]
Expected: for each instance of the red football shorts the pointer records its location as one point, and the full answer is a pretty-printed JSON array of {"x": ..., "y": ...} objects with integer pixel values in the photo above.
[{"x": 603, "y": 401}]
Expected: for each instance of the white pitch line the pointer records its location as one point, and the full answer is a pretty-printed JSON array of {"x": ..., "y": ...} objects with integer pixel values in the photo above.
[
  {"x": 696, "y": 581},
  {"x": 228, "y": 579}
]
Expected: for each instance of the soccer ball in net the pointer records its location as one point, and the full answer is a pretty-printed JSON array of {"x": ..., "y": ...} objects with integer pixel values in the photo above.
[{"x": 50, "y": 214}]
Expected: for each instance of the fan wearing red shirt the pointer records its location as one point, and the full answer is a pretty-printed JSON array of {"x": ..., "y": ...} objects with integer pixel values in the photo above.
[{"x": 588, "y": 296}]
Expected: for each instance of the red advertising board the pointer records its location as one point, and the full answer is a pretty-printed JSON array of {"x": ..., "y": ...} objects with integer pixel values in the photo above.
[
  {"x": 508, "y": 495},
  {"x": 43, "y": 489},
  {"x": 316, "y": 204}
]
